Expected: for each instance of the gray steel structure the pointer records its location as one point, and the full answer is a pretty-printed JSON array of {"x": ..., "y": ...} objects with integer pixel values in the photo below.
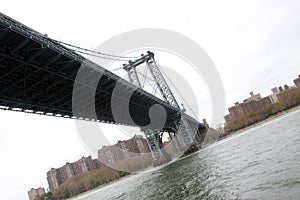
[
  {"x": 187, "y": 129},
  {"x": 37, "y": 75}
]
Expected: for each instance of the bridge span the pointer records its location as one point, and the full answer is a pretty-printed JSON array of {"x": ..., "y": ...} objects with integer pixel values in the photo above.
[{"x": 38, "y": 75}]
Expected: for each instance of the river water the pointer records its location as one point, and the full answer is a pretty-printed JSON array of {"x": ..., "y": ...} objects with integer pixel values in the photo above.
[{"x": 260, "y": 163}]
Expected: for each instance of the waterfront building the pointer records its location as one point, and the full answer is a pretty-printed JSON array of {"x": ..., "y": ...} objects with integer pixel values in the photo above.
[
  {"x": 285, "y": 97},
  {"x": 134, "y": 146},
  {"x": 236, "y": 111},
  {"x": 35, "y": 194},
  {"x": 297, "y": 81},
  {"x": 252, "y": 104},
  {"x": 123, "y": 149},
  {"x": 273, "y": 97},
  {"x": 228, "y": 119},
  {"x": 275, "y": 90},
  {"x": 255, "y": 102},
  {"x": 253, "y": 97},
  {"x": 52, "y": 178},
  {"x": 56, "y": 177},
  {"x": 264, "y": 102},
  {"x": 109, "y": 154}
]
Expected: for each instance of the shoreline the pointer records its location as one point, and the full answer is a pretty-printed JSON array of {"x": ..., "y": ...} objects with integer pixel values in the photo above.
[
  {"x": 260, "y": 122},
  {"x": 221, "y": 138},
  {"x": 100, "y": 186}
]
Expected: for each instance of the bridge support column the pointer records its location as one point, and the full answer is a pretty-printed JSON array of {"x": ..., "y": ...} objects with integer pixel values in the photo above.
[
  {"x": 193, "y": 129},
  {"x": 155, "y": 143},
  {"x": 175, "y": 142},
  {"x": 185, "y": 134}
]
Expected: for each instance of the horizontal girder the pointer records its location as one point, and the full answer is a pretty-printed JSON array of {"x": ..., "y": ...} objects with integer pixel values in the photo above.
[{"x": 38, "y": 75}]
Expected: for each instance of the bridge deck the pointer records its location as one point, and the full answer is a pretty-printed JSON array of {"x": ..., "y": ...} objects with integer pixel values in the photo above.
[{"x": 37, "y": 75}]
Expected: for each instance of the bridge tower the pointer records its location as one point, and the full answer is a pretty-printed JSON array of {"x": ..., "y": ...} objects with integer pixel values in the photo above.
[{"x": 186, "y": 133}]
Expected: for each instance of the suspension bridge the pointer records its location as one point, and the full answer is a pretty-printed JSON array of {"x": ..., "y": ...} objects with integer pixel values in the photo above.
[{"x": 40, "y": 75}]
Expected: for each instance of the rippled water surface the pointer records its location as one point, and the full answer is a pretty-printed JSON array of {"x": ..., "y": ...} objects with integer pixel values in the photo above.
[{"x": 260, "y": 163}]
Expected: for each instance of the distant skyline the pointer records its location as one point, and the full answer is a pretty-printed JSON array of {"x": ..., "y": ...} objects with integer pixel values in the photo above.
[
  {"x": 292, "y": 84},
  {"x": 255, "y": 46}
]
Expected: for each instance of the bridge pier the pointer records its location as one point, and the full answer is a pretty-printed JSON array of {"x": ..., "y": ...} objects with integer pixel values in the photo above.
[
  {"x": 185, "y": 134},
  {"x": 155, "y": 143},
  {"x": 175, "y": 142},
  {"x": 186, "y": 129}
]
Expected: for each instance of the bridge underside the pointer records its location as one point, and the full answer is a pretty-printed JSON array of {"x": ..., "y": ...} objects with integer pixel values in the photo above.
[{"x": 38, "y": 75}]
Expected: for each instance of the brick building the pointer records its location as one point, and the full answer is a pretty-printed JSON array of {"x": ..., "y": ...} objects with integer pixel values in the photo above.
[
  {"x": 264, "y": 102},
  {"x": 252, "y": 104},
  {"x": 284, "y": 97},
  {"x": 297, "y": 81},
  {"x": 273, "y": 97},
  {"x": 253, "y": 97},
  {"x": 236, "y": 111},
  {"x": 56, "y": 177},
  {"x": 123, "y": 149},
  {"x": 35, "y": 194},
  {"x": 108, "y": 154},
  {"x": 135, "y": 145},
  {"x": 228, "y": 118},
  {"x": 280, "y": 95},
  {"x": 52, "y": 178},
  {"x": 275, "y": 90}
]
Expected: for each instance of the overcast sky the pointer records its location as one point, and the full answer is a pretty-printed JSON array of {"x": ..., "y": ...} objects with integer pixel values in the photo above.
[{"x": 255, "y": 46}]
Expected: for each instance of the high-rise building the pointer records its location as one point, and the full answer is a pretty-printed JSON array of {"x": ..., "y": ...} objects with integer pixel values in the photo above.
[
  {"x": 297, "y": 81},
  {"x": 275, "y": 90},
  {"x": 264, "y": 102},
  {"x": 273, "y": 97},
  {"x": 142, "y": 144},
  {"x": 228, "y": 119},
  {"x": 109, "y": 154},
  {"x": 123, "y": 149},
  {"x": 253, "y": 97},
  {"x": 35, "y": 194},
  {"x": 56, "y": 177},
  {"x": 236, "y": 111},
  {"x": 281, "y": 95},
  {"x": 52, "y": 178},
  {"x": 252, "y": 104}
]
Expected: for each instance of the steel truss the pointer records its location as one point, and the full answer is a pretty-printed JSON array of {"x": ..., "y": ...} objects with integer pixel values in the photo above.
[{"x": 187, "y": 132}]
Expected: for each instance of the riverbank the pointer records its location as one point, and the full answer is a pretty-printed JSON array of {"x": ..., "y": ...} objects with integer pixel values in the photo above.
[
  {"x": 99, "y": 187},
  {"x": 229, "y": 171},
  {"x": 80, "y": 195},
  {"x": 279, "y": 114},
  {"x": 105, "y": 175},
  {"x": 221, "y": 138}
]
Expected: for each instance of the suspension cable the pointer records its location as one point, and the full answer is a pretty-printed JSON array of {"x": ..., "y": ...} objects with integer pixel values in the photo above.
[
  {"x": 84, "y": 50},
  {"x": 95, "y": 52},
  {"x": 98, "y": 56},
  {"x": 178, "y": 91}
]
